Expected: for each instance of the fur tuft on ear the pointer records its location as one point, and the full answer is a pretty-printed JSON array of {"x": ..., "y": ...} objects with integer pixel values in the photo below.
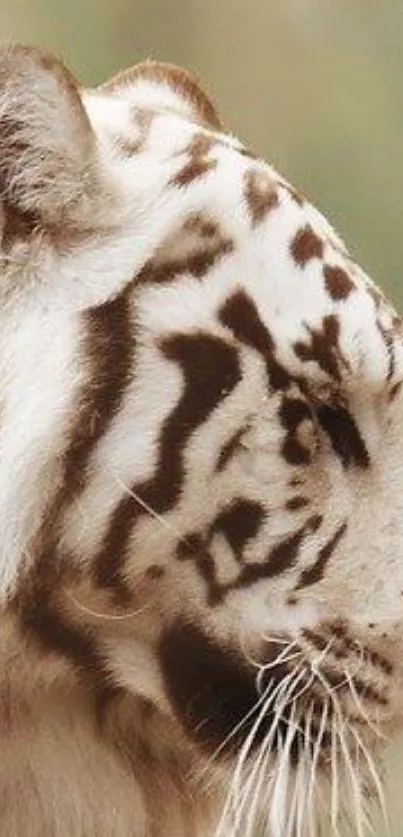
[
  {"x": 165, "y": 86},
  {"x": 47, "y": 146}
]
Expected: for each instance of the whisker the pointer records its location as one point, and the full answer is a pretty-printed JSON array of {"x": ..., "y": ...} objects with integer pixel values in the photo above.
[
  {"x": 276, "y": 640},
  {"x": 114, "y": 617},
  {"x": 292, "y": 809},
  {"x": 355, "y": 784},
  {"x": 309, "y": 761},
  {"x": 300, "y": 781},
  {"x": 236, "y": 729},
  {"x": 318, "y": 660},
  {"x": 334, "y": 784},
  {"x": 375, "y": 778},
  {"x": 237, "y": 796},
  {"x": 261, "y": 769},
  {"x": 255, "y": 663},
  {"x": 281, "y": 659},
  {"x": 314, "y": 760},
  {"x": 149, "y": 509},
  {"x": 358, "y": 703},
  {"x": 233, "y": 792},
  {"x": 279, "y": 799}
]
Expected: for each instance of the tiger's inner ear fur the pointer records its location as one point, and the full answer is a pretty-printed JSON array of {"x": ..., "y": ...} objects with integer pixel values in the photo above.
[
  {"x": 47, "y": 145},
  {"x": 167, "y": 87}
]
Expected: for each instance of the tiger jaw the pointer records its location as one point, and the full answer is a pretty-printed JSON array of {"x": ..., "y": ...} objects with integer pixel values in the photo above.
[
  {"x": 217, "y": 691},
  {"x": 300, "y": 720}
]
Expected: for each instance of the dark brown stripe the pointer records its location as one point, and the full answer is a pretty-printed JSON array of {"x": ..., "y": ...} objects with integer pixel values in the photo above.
[
  {"x": 316, "y": 572},
  {"x": 205, "y": 226},
  {"x": 193, "y": 171},
  {"x": 230, "y": 448},
  {"x": 197, "y": 263},
  {"x": 324, "y": 348},
  {"x": 212, "y": 689},
  {"x": 199, "y": 162},
  {"x": 379, "y": 661},
  {"x": 346, "y": 646},
  {"x": 239, "y": 523},
  {"x": 155, "y": 572},
  {"x": 17, "y": 225},
  {"x": 44, "y": 621},
  {"x": 201, "y": 144},
  {"x": 260, "y": 194},
  {"x": 195, "y": 547},
  {"x": 338, "y": 283},
  {"x": 143, "y": 120},
  {"x": 316, "y": 639},
  {"x": 210, "y": 367},
  {"x": 107, "y": 347},
  {"x": 338, "y": 680},
  {"x": 305, "y": 246},
  {"x": 344, "y": 435},
  {"x": 283, "y": 556},
  {"x": 395, "y": 390},
  {"x": 241, "y": 316},
  {"x": 296, "y": 503},
  {"x": 388, "y": 339},
  {"x": 297, "y": 482},
  {"x": 292, "y": 413}
]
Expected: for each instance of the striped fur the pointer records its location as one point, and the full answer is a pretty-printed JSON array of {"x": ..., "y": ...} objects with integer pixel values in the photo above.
[{"x": 201, "y": 567}]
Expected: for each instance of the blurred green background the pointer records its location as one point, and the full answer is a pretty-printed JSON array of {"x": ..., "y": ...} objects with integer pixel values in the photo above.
[{"x": 315, "y": 86}]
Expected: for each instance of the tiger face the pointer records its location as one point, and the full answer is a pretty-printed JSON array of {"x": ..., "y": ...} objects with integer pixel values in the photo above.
[{"x": 201, "y": 457}]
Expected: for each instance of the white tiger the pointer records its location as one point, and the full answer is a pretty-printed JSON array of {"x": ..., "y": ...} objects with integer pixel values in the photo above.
[{"x": 201, "y": 464}]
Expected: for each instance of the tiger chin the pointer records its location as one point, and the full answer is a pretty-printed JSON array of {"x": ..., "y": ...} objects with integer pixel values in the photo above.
[{"x": 201, "y": 463}]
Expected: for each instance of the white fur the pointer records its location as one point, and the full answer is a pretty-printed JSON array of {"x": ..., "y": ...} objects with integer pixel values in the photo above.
[{"x": 141, "y": 778}]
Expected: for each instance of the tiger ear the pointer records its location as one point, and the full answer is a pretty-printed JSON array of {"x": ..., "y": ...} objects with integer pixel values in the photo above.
[
  {"x": 47, "y": 145},
  {"x": 165, "y": 87}
]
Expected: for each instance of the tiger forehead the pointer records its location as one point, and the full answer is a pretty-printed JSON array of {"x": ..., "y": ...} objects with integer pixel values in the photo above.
[{"x": 343, "y": 330}]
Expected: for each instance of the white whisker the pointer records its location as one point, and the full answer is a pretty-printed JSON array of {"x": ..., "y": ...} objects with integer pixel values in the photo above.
[
  {"x": 334, "y": 784},
  {"x": 359, "y": 705},
  {"x": 237, "y": 728},
  {"x": 375, "y": 778},
  {"x": 234, "y": 793},
  {"x": 147, "y": 508},
  {"x": 355, "y": 786},
  {"x": 109, "y": 617}
]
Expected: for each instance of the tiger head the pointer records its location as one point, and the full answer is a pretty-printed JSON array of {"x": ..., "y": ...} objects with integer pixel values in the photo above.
[{"x": 201, "y": 448}]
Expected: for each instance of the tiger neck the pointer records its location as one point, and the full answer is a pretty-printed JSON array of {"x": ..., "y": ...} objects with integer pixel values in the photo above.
[{"x": 125, "y": 776}]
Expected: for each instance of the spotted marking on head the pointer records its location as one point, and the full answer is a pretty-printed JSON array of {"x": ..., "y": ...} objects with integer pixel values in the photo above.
[
  {"x": 261, "y": 194},
  {"x": 314, "y": 573},
  {"x": 198, "y": 547},
  {"x": 338, "y": 283},
  {"x": 194, "y": 248},
  {"x": 199, "y": 161},
  {"x": 241, "y": 316},
  {"x": 324, "y": 348},
  {"x": 142, "y": 122},
  {"x": 296, "y": 415},
  {"x": 306, "y": 245}
]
